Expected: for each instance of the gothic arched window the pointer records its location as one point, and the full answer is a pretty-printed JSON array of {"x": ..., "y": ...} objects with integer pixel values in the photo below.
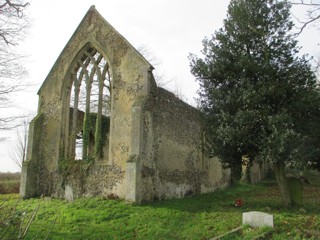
[{"x": 90, "y": 105}]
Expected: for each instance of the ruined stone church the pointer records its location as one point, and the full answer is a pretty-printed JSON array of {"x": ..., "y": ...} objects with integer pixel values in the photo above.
[{"x": 104, "y": 127}]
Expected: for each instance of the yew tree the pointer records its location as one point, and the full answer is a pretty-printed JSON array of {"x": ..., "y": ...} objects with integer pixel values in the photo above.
[{"x": 258, "y": 94}]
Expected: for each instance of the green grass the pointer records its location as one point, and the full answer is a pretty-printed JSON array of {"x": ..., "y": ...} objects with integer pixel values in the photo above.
[{"x": 198, "y": 217}]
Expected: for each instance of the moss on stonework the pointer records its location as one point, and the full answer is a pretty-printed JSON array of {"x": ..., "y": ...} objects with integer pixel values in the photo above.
[
  {"x": 69, "y": 167},
  {"x": 86, "y": 134},
  {"x": 99, "y": 133}
]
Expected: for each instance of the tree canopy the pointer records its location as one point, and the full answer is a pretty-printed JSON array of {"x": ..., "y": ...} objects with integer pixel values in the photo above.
[{"x": 259, "y": 96}]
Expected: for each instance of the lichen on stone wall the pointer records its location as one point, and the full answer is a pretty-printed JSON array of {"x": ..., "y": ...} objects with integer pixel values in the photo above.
[
  {"x": 172, "y": 145},
  {"x": 52, "y": 108},
  {"x": 89, "y": 179}
]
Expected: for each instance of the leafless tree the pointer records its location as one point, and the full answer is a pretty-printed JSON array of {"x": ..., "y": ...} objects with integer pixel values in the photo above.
[
  {"x": 19, "y": 151},
  {"x": 312, "y": 16},
  {"x": 13, "y": 26},
  {"x": 159, "y": 77}
]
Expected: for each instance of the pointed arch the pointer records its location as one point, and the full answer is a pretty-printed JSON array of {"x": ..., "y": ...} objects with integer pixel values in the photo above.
[{"x": 90, "y": 104}]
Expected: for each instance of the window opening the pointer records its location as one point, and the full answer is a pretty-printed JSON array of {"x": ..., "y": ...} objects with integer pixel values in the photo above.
[
  {"x": 89, "y": 106},
  {"x": 79, "y": 146}
]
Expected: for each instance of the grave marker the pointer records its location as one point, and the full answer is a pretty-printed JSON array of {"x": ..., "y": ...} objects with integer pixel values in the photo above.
[{"x": 257, "y": 219}]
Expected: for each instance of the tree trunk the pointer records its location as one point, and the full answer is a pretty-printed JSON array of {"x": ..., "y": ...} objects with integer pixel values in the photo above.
[
  {"x": 246, "y": 174},
  {"x": 250, "y": 164},
  {"x": 282, "y": 182},
  {"x": 236, "y": 171},
  {"x": 295, "y": 189}
]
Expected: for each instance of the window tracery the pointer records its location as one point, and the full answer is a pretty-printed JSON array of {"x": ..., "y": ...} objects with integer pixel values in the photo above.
[{"x": 90, "y": 103}]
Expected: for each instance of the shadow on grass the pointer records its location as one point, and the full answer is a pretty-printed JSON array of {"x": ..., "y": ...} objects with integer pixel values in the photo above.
[
  {"x": 221, "y": 200},
  {"x": 264, "y": 197}
]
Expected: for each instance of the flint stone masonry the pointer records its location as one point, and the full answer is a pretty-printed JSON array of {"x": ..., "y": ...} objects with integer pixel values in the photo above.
[
  {"x": 145, "y": 145},
  {"x": 257, "y": 219}
]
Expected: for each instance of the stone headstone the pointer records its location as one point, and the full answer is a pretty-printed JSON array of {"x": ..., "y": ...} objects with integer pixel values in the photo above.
[
  {"x": 47, "y": 199},
  {"x": 68, "y": 194},
  {"x": 257, "y": 219}
]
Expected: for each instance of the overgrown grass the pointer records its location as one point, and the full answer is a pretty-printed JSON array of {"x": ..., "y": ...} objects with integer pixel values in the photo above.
[{"x": 198, "y": 217}]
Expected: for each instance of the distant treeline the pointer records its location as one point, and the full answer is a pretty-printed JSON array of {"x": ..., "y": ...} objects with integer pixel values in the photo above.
[{"x": 9, "y": 182}]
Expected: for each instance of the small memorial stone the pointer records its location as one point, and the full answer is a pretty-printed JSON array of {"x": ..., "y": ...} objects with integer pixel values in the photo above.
[
  {"x": 257, "y": 219},
  {"x": 68, "y": 194},
  {"x": 47, "y": 199}
]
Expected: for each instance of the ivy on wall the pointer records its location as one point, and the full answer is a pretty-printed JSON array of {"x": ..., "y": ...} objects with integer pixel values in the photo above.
[{"x": 92, "y": 128}]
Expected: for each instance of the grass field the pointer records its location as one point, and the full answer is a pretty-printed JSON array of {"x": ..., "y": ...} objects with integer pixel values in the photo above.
[{"x": 198, "y": 217}]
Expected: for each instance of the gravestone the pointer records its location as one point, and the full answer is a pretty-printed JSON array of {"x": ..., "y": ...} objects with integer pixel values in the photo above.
[
  {"x": 257, "y": 219},
  {"x": 47, "y": 199},
  {"x": 68, "y": 194}
]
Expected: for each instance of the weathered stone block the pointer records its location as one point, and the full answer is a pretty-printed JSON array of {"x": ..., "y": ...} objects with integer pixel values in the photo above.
[
  {"x": 257, "y": 219},
  {"x": 68, "y": 194},
  {"x": 132, "y": 180},
  {"x": 47, "y": 199}
]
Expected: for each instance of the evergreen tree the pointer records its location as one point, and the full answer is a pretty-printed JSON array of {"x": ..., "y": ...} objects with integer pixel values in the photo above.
[{"x": 259, "y": 96}]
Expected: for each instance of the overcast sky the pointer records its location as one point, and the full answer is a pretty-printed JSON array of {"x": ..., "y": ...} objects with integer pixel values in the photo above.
[{"x": 169, "y": 29}]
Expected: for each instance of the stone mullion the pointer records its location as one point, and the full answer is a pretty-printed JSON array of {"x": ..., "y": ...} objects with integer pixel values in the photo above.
[
  {"x": 86, "y": 122},
  {"x": 77, "y": 85},
  {"x": 83, "y": 68},
  {"x": 73, "y": 134},
  {"x": 106, "y": 75},
  {"x": 98, "y": 136}
]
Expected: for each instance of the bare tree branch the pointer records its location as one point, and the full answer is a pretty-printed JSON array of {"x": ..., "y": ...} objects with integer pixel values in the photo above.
[
  {"x": 12, "y": 21},
  {"x": 19, "y": 151},
  {"x": 151, "y": 58},
  {"x": 10, "y": 123},
  {"x": 306, "y": 23},
  {"x": 13, "y": 28},
  {"x": 312, "y": 12},
  {"x": 304, "y": 3}
]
